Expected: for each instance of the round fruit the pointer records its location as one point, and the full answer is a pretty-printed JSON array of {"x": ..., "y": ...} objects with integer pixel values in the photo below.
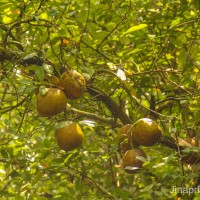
[
  {"x": 54, "y": 80},
  {"x": 51, "y": 103},
  {"x": 146, "y": 132},
  {"x": 69, "y": 137},
  {"x": 132, "y": 160},
  {"x": 127, "y": 142},
  {"x": 192, "y": 157},
  {"x": 74, "y": 84}
]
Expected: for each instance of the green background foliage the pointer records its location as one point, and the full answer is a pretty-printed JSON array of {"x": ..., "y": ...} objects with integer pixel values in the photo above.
[{"x": 140, "y": 59}]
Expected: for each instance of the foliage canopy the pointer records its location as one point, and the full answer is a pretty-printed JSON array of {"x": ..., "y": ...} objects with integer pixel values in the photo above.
[{"x": 139, "y": 58}]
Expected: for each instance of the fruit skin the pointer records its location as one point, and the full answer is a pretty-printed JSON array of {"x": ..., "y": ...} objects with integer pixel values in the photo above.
[
  {"x": 69, "y": 137},
  {"x": 146, "y": 132},
  {"x": 192, "y": 157},
  {"x": 73, "y": 83},
  {"x": 130, "y": 160},
  {"x": 127, "y": 142},
  {"x": 54, "y": 80},
  {"x": 52, "y": 103}
]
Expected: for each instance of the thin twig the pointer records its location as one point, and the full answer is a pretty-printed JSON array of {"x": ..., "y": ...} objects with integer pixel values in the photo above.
[{"x": 95, "y": 117}]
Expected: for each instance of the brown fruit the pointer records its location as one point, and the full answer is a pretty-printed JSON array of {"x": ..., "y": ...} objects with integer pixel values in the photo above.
[
  {"x": 69, "y": 137},
  {"x": 36, "y": 91},
  {"x": 74, "y": 84},
  {"x": 192, "y": 157},
  {"x": 127, "y": 142},
  {"x": 193, "y": 141},
  {"x": 53, "y": 80},
  {"x": 131, "y": 160},
  {"x": 51, "y": 103},
  {"x": 146, "y": 132}
]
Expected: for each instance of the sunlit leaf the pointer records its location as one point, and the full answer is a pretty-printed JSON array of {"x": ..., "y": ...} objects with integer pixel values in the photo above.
[
  {"x": 175, "y": 22},
  {"x": 31, "y": 55},
  {"x": 135, "y": 28},
  {"x": 62, "y": 124},
  {"x": 121, "y": 74},
  {"x": 44, "y": 16},
  {"x": 43, "y": 90},
  {"x": 158, "y": 165},
  {"x": 7, "y": 20},
  {"x": 48, "y": 68}
]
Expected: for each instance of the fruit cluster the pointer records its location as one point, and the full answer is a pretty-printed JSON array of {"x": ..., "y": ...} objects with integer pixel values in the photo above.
[
  {"x": 145, "y": 132},
  {"x": 53, "y": 100}
]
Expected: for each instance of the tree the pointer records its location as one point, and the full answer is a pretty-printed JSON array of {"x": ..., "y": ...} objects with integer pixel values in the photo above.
[{"x": 139, "y": 58}]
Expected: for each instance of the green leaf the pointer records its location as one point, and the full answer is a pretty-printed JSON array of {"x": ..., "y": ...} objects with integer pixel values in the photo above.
[
  {"x": 182, "y": 57},
  {"x": 31, "y": 55},
  {"x": 44, "y": 16},
  {"x": 62, "y": 124},
  {"x": 40, "y": 73},
  {"x": 135, "y": 28},
  {"x": 149, "y": 187},
  {"x": 43, "y": 90},
  {"x": 48, "y": 68},
  {"x": 158, "y": 165},
  {"x": 133, "y": 51},
  {"x": 175, "y": 22},
  {"x": 7, "y": 20},
  {"x": 141, "y": 158},
  {"x": 158, "y": 193}
]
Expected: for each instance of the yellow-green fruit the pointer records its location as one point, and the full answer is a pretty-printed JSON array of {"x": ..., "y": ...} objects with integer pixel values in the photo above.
[
  {"x": 132, "y": 160},
  {"x": 51, "y": 103},
  {"x": 73, "y": 83},
  {"x": 127, "y": 142},
  {"x": 54, "y": 80},
  {"x": 69, "y": 137},
  {"x": 146, "y": 132}
]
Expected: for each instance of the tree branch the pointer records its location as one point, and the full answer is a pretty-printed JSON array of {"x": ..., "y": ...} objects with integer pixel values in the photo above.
[
  {"x": 85, "y": 180},
  {"x": 110, "y": 104},
  {"x": 131, "y": 92},
  {"x": 95, "y": 117},
  {"x": 11, "y": 55}
]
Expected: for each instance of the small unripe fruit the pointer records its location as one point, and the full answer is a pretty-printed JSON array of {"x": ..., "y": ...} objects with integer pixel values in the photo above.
[
  {"x": 127, "y": 142},
  {"x": 132, "y": 160}
]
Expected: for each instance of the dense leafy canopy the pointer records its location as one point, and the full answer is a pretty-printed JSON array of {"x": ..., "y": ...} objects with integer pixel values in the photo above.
[{"x": 139, "y": 58}]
